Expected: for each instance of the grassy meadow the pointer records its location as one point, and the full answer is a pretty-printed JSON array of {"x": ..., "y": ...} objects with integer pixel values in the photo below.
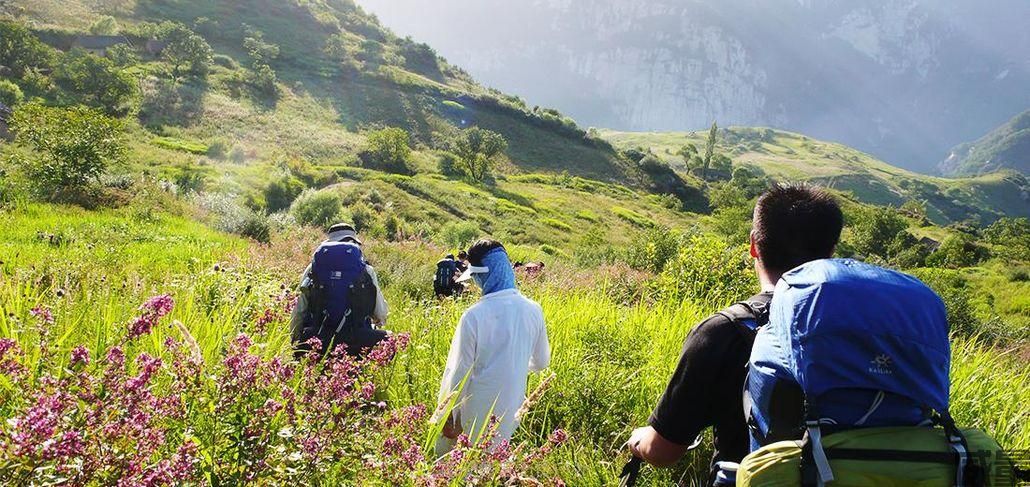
[{"x": 614, "y": 342}]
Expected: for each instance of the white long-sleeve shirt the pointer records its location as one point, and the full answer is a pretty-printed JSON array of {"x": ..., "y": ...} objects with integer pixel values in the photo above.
[{"x": 498, "y": 341}]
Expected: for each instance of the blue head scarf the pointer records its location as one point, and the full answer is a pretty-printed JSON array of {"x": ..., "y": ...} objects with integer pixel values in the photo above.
[{"x": 500, "y": 275}]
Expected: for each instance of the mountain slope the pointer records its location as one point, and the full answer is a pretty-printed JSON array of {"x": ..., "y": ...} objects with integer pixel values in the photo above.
[
  {"x": 1007, "y": 146},
  {"x": 323, "y": 99},
  {"x": 790, "y": 156},
  {"x": 902, "y": 79}
]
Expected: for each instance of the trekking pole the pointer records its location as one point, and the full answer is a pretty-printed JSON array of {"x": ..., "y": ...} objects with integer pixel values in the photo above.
[{"x": 630, "y": 472}]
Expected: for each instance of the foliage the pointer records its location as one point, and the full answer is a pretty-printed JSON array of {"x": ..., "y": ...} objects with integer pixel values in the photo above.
[
  {"x": 478, "y": 150},
  {"x": 189, "y": 180},
  {"x": 261, "y": 75},
  {"x": 317, "y": 208},
  {"x": 72, "y": 146},
  {"x": 95, "y": 81},
  {"x": 185, "y": 48},
  {"x": 653, "y": 249},
  {"x": 957, "y": 251},
  {"x": 21, "y": 51},
  {"x": 281, "y": 192},
  {"x": 388, "y": 150},
  {"x": 104, "y": 26},
  {"x": 459, "y": 234},
  {"x": 709, "y": 148},
  {"x": 707, "y": 270},
  {"x": 1011, "y": 238},
  {"x": 632, "y": 216},
  {"x": 873, "y": 230},
  {"x": 122, "y": 55},
  {"x": 449, "y": 165},
  {"x": 10, "y": 93}
]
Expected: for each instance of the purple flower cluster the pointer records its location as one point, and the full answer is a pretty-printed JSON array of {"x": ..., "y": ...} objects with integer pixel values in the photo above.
[
  {"x": 154, "y": 309},
  {"x": 128, "y": 417}
]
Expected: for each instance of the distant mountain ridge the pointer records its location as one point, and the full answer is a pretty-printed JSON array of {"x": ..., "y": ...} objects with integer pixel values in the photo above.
[
  {"x": 904, "y": 80},
  {"x": 1006, "y": 147}
]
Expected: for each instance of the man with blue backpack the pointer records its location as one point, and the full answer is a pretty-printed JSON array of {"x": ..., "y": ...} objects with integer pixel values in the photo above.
[
  {"x": 340, "y": 300},
  {"x": 792, "y": 224}
]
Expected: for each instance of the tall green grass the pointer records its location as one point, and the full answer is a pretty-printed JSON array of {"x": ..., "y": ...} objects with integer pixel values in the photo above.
[{"x": 613, "y": 351}]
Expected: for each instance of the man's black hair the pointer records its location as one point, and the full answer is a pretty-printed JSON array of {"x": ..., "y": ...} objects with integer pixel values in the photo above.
[
  {"x": 794, "y": 224},
  {"x": 463, "y": 255},
  {"x": 449, "y": 256},
  {"x": 479, "y": 250}
]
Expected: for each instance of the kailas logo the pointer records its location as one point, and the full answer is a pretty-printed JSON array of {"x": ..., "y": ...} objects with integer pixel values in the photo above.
[{"x": 882, "y": 365}]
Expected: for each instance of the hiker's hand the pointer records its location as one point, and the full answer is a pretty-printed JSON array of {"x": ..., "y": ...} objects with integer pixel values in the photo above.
[
  {"x": 634, "y": 440},
  {"x": 451, "y": 428}
]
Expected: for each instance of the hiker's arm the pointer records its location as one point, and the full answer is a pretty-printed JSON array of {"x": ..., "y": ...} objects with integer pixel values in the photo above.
[
  {"x": 297, "y": 316},
  {"x": 651, "y": 447},
  {"x": 541, "y": 357},
  {"x": 687, "y": 407},
  {"x": 459, "y": 362},
  {"x": 381, "y": 311}
]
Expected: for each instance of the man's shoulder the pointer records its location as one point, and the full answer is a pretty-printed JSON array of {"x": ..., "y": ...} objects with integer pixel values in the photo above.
[{"x": 729, "y": 318}]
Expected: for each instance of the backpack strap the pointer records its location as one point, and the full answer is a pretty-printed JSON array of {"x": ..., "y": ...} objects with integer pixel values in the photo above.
[{"x": 752, "y": 314}]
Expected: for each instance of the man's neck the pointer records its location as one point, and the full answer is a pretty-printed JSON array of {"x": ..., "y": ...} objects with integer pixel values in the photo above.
[{"x": 768, "y": 280}]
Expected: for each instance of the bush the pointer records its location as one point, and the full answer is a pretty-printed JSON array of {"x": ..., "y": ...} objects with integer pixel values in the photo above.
[
  {"x": 10, "y": 93},
  {"x": 317, "y": 208},
  {"x": 553, "y": 222},
  {"x": 257, "y": 227},
  {"x": 231, "y": 217},
  {"x": 21, "y": 51},
  {"x": 459, "y": 234},
  {"x": 225, "y": 61},
  {"x": 953, "y": 290},
  {"x": 957, "y": 251},
  {"x": 388, "y": 150},
  {"x": 95, "y": 81},
  {"x": 361, "y": 216},
  {"x": 707, "y": 270},
  {"x": 73, "y": 145},
  {"x": 449, "y": 165},
  {"x": 280, "y": 193},
  {"x": 632, "y": 217},
  {"x": 653, "y": 249},
  {"x": 217, "y": 149},
  {"x": 189, "y": 180}
]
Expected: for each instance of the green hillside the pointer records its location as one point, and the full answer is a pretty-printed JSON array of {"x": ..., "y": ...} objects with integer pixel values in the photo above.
[
  {"x": 1006, "y": 147},
  {"x": 791, "y": 156}
]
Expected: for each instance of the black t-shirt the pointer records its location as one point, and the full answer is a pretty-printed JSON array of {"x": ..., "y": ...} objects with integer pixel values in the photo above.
[{"x": 707, "y": 388}]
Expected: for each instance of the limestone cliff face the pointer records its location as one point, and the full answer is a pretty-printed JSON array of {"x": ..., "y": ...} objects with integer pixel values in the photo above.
[{"x": 903, "y": 79}]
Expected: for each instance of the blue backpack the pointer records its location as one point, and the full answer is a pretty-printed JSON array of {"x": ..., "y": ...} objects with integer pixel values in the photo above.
[
  {"x": 847, "y": 345},
  {"x": 341, "y": 294}
]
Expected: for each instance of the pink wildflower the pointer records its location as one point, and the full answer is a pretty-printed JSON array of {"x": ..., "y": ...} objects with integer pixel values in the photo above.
[
  {"x": 43, "y": 314},
  {"x": 80, "y": 356}
]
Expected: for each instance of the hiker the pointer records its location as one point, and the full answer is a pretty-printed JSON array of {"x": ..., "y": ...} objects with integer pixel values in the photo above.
[
  {"x": 447, "y": 270},
  {"x": 340, "y": 300},
  {"x": 792, "y": 224},
  {"x": 497, "y": 342}
]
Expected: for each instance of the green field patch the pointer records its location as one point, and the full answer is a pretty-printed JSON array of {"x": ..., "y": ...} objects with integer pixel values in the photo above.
[
  {"x": 175, "y": 144},
  {"x": 554, "y": 222},
  {"x": 632, "y": 217}
]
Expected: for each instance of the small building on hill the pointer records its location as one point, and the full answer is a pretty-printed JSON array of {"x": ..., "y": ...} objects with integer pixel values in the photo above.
[
  {"x": 99, "y": 44},
  {"x": 5, "y": 117},
  {"x": 930, "y": 243},
  {"x": 155, "y": 46}
]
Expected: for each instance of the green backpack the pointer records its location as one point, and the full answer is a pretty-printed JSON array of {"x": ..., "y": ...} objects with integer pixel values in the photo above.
[{"x": 880, "y": 457}]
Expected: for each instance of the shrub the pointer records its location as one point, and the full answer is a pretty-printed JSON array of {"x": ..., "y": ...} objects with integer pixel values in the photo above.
[
  {"x": 95, "y": 81},
  {"x": 478, "y": 150},
  {"x": 388, "y": 150},
  {"x": 449, "y": 166},
  {"x": 459, "y": 234},
  {"x": 280, "y": 192},
  {"x": 225, "y": 61},
  {"x": 553, "y": 222},
  {"x": 10, "y": 93},
  {"x": 361, "y": 216},
  {"x": 21, "y": 51},
  {"x": 257, "y": 227},
  {"x": 632, "y": 217},
  {"x": 957, "y": 251},
  {"x": 73, "y": 145},
  {"x": 588, "y": 216},
  {"x": 189, "y": 180},
  {"x": 217, "y": 149},
  {"x": 953, "y": 290},
  {"x": 317, "y": 208},
  {"x": 653, "y": 249},
  {"x": 707, "y": 270}
]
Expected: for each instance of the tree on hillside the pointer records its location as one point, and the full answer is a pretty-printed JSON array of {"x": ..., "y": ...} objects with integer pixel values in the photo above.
[
  {"x": 20, "y": 50},
  {"x": 874, "y": 230},
  {"x": 709, "y": 149},
  {"x": 73, "y": 145},
  {"x": 186, "y": 48},
  {"x": 262, "y": 53},
  {"x": 478, "y": 150},
  {"x": 95, "y": 81},
  {"x": 388, "y": 150}
]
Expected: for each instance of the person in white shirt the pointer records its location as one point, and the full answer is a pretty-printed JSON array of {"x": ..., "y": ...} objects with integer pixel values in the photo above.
[{"x": 498, "y": 341}]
